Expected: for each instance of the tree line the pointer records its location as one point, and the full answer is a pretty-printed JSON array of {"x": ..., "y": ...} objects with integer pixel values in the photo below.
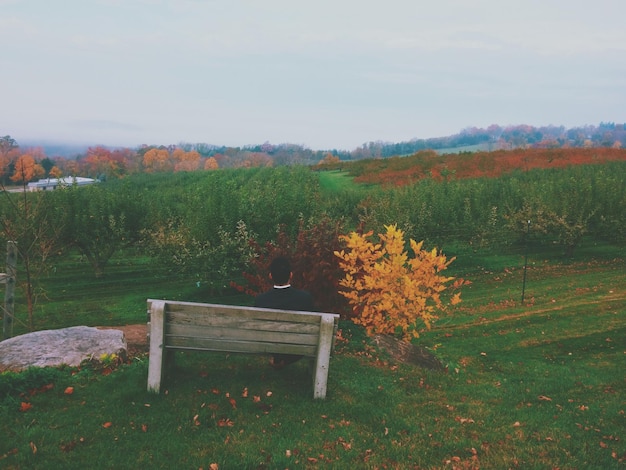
[{"x": 103, "y": 162}]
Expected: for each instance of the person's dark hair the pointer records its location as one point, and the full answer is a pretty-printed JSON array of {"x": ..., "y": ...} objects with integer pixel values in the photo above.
[{"x": 280, "y": 269}]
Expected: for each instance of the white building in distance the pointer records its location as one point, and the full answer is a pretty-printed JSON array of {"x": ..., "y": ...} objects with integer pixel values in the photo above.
[{"x": 49, "y": 184}]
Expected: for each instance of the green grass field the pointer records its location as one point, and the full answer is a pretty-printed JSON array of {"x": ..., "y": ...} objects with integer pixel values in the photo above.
[{"x": 533, "y": 386}]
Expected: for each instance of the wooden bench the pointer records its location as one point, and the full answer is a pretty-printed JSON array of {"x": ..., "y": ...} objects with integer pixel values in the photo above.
[{"x": 226, "y": 328}]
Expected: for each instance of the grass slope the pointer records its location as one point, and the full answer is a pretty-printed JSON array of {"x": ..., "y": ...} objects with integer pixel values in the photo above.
[{"x": 539, "y": 385}]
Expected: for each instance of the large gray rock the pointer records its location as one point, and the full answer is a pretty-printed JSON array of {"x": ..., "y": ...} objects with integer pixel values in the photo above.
[{"x": 50, "y": 348}]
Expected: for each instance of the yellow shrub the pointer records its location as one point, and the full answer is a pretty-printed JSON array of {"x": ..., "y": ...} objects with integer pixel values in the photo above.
[{"x": 388, "y": 291}]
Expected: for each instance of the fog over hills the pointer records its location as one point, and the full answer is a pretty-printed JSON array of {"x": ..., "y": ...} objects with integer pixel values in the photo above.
[{"x": 605, "y": 134}]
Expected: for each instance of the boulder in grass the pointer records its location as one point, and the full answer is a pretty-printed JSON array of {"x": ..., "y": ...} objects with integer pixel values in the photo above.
[{"x": 66, "y": 346}]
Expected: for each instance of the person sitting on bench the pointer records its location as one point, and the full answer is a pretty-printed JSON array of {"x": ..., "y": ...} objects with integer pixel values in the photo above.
[{"x": 284, "y": 297}]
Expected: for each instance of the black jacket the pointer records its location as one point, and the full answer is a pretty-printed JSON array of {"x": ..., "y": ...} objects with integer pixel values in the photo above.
[{"x": 287, "y": 298}]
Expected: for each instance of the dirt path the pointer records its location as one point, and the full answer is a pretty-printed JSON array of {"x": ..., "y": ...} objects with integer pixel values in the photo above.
[{"x": 136, "y": 337}]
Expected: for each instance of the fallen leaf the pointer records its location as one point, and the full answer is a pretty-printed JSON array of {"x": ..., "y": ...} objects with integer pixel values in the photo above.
[
  {"x": 69, "y": 390},
  {"x": 108, "y": 424},
  {"x": 244, "y": 394},
  {"x": 233, "y": 403},
  {"x": 544, "y": 398},
  {"x": 225, "y": 422},
  {"x": 144, "y": 427},
  {"x": 42, "y": 389},
  {"x": 25, "y": 406},
  {"x": 33, "y": 447},
  {"x": 269, "y": 394},
  {"x": 344, "y": 444},
  {"x": 214, "y": 466},
  {"x": 215, "y": 391}
]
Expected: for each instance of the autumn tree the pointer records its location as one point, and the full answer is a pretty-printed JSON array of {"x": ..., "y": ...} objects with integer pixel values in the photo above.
[
  {"x": 185, "y": 161},
  {"x": 211, "y": 164},
  {"x": 254, "y": 159},
  {"x": 26, "y": 169},
  {"x": 389, "y": 291},
  {"x": 157, "y": 160},
  {"x": 103, "y": 163},
  {"x": 329, "y": 159},
  {"x": 55, "y": 172}
]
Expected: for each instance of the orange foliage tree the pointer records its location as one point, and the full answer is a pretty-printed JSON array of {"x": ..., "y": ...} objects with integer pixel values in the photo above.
[
  {"x": 388, "y": 291},
  {"x": 55, "y": 172},
  {"x": 157, "y": 160},
  {"x": 211, "y": 164},
  {"x": 26, "y": 169},
  {"x": 185, "y": 161}
]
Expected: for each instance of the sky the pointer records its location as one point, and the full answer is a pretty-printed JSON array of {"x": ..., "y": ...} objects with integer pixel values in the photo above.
[{"x": 324, "y": 74}]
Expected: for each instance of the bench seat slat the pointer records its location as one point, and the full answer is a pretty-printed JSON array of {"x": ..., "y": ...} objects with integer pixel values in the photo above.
[
  {"x": 243, "y": 312},
  {"x": 193, "y": 331}
]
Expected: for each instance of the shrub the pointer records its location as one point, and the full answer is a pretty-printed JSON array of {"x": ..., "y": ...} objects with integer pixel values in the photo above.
[{"x": 388, "y": 291}]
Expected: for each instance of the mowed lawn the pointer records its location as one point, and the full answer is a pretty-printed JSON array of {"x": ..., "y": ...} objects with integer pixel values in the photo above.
[{"x": 539, "y": 385}]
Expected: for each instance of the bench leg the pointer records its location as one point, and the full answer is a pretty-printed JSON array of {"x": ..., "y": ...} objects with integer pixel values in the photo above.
[
  {"x": 322, "y": 361},
  {"x": 157, "y": 341}
]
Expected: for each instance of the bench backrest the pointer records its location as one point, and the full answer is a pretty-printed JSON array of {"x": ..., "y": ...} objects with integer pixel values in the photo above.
[{"x": 212, "y": 327}]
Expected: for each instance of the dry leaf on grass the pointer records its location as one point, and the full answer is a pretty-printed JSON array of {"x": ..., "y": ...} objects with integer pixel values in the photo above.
[{"x": 25, "y": 406}]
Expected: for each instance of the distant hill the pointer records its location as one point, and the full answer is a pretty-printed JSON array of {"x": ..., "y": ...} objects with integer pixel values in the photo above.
[
  {"x": 495, "y": 137},
  {"x": 471, "y": 139}
]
